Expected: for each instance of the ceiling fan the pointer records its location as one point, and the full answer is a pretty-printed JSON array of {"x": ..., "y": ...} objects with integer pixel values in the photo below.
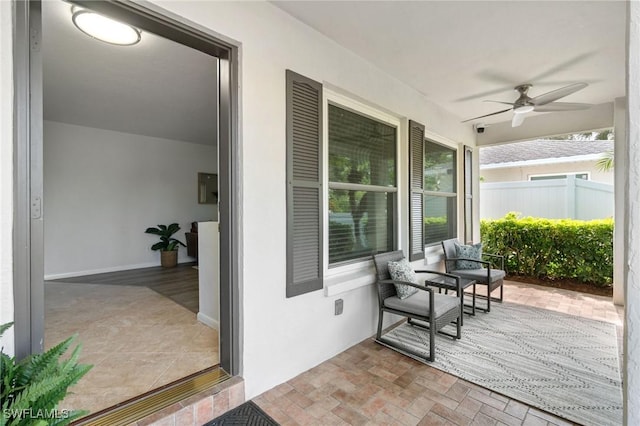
[{"x": 542, "y": 103}]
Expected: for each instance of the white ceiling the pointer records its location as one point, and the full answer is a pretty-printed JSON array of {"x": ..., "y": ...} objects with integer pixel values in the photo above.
[
  {"x": 456, "y": 53},
  {"x": 155, "y": 88},
  {"x": 459, "y": 53}
]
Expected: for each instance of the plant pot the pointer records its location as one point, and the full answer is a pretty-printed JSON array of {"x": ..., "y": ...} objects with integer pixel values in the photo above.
[{"x": 169, "y": 259}]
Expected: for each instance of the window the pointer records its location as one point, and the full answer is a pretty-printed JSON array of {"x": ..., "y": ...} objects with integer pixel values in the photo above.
[
  {"x": 439, "y": 192},
  {"x": 583, "y": 175},
  {"x": 432, "y": 197},
  {"x": 362, "y": 185}
]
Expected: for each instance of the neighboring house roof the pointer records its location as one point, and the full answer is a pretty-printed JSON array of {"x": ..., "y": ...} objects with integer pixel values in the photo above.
[{"x": 542, "y": 151}]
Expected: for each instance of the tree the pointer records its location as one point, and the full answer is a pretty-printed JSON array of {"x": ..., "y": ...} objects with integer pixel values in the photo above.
[
  {"x": 605, "y": 163},
  {"x": 602, "y": 135}
]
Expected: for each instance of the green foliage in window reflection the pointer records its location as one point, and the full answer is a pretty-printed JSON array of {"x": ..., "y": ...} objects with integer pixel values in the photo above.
[
  {"x": 361, "y": 152},
  {"x": 436, "y": 229},
  {"x": 439, "y": 168},
  {"x": 442, "y": 220}
]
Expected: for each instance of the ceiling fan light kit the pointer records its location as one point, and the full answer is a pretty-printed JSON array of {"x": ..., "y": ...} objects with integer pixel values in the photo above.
[
  {"x": 542, "y": 103},
  {"x": 523, "y": 109}
]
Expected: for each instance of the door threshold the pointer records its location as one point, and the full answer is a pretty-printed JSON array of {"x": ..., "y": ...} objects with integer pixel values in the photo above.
[{"x": 137, "y": 408}]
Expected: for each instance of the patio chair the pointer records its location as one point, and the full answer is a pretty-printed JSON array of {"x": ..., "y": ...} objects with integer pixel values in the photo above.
[
  {"x": 424, "y": 308},
  {"x": 484, "y": 274}
]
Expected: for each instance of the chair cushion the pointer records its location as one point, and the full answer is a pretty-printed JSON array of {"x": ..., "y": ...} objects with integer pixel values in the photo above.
[
  {"x": 402, "y": 271},
  {"x": 470, "y": 252},
  {"x": 418, "y": 304},
  {"x": 480, "y": 274}
]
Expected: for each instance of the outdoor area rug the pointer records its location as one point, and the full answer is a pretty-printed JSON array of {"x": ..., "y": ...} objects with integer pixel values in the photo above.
[
  {"x": 246, "y": 414},
  {"x": 562, "y": 364}
]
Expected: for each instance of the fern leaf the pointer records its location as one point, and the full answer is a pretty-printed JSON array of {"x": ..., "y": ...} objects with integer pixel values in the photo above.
[
  {"x": 5, "y": 327},
  {"x": 37, "y": 384},
  {"x": 33, "y": 391},
  {"x": 7, "y": 374},
  {"x": 35, "y": 366}
]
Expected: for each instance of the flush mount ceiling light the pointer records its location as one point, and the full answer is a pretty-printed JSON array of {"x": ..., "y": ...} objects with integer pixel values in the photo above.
[{"x": 105, "y": 29}]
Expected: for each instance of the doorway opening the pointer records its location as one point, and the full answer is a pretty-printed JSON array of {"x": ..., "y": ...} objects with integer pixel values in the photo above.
[{"x": 116, "y": 143}]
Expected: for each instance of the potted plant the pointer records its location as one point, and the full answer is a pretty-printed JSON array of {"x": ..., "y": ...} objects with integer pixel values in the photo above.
[
  {"x": 167, "y": 245},
  {"x": 32, "y": 387}
]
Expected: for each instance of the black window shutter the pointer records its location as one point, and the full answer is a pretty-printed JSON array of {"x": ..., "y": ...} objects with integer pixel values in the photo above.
[
  {"x": 416, "y": 184},
  {"x": 304, "y": 185}
]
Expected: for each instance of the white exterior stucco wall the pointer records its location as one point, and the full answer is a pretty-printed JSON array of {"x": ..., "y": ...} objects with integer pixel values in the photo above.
[
  {"x": 6, "y": 174},
  {"x": 620, "y": 173},
  {"x": 631, "y": 371},
  {"x": 522, "y": 173},
  {"x": 284, "y": 337}
]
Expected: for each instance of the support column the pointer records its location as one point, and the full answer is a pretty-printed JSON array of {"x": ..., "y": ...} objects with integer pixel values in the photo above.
[
  {"x": 631, "y": 370},
  {"x": 620, "y": 174}
]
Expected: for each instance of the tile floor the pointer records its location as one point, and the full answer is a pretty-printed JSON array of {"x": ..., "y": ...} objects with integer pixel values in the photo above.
[
  {"x": 136, "y": 339},
  {"x": 369, "y": 384}
]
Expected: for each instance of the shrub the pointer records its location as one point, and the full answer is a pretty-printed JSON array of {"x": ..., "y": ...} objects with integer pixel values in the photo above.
[
  {"x": 553, "y": 248},
  {"x": 32, "y": 388}
]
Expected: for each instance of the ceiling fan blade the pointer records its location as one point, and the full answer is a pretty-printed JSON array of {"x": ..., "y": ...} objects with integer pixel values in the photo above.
[
  {"x": 488, "y": 115},
  {"x": 517, "y": 120},
  {"x": 557, "y": 94},
  {"x": 561, "y": 106},
  {"x": 500, "y": 102},
  {"x": 568, "y": 64}
]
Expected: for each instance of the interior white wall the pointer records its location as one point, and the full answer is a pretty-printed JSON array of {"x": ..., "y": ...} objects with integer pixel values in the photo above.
[
  {"x": 209, "y": 274},
  {"x": 6, "y": 175},
  {"x": 104, "y": 188},
  {"x": 284, "y": 337}
]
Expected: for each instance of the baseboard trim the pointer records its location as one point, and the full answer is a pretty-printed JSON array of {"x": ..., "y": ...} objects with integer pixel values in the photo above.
[
  {"x": 207, "y": 320},
  {"x": 50, "y": 277}
]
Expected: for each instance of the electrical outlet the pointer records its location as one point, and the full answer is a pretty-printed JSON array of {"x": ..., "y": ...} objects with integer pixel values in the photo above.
[{"x": 339, "y": 306}]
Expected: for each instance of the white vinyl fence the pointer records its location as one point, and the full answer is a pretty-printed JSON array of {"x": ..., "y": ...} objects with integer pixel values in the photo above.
[{"x": 568, "y": 198}]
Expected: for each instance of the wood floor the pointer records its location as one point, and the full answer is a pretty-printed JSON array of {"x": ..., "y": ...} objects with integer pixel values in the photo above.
[{"x": 180, "y": 284}]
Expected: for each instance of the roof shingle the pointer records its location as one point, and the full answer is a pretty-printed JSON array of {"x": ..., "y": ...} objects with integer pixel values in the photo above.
[{"x": 541, "y": 149}]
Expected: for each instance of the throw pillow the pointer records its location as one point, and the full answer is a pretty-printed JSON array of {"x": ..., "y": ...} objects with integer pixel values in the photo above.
[
  {"x": 469, "y": 252},
  {"x": 402, "y": 271}
]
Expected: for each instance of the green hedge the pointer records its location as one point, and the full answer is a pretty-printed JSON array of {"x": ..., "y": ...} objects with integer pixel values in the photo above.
[{"x": 552, "y": 248}]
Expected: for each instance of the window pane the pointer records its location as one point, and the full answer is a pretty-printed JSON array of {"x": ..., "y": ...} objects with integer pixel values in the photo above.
[
  {"x": 439, "y": 168},
  {"x": 548, "y": 177},
  {"x": 361, "y": 150},
  {"x": 439, "y": 218},
  {"x": 360, "y": 223}
]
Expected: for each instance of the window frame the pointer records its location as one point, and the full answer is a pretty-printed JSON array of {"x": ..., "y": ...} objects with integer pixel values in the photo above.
[
  {"x": 453, "y": 227},
  {"x": 417, "y": 136},
  {"x": 331, "y": 97},
  {"x": 468, "y": 190}
]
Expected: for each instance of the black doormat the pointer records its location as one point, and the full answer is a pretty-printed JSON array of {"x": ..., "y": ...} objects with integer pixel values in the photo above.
[{"x": 246, "y": 414}]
